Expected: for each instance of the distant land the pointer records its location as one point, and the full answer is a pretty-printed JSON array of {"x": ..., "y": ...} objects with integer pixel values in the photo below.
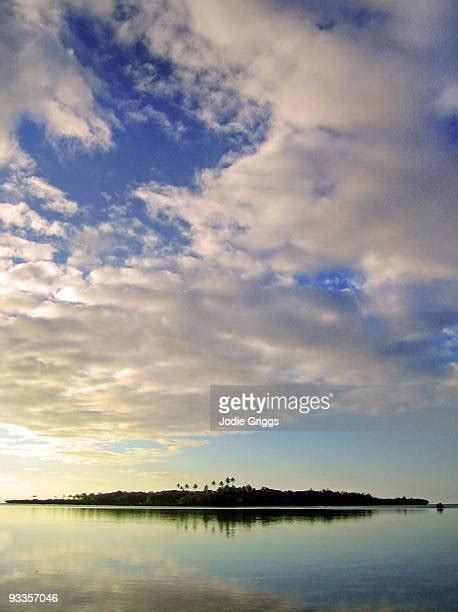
[{"x": 226, "y": 495}]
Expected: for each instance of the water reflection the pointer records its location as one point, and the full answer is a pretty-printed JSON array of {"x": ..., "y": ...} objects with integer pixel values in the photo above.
[
  {"x": 224, "y": 520},
  {"x": 117, "y": 559}
]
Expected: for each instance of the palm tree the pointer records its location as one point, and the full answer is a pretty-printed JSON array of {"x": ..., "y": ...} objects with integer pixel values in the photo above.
[
  {"x": 178, "y": 485},
  {"x": 213, "y": 483},
  {"x": 228, "y": 480},
  {"x": 186, "y": 486},
  {"x": 206, "y": 488},
  {"x": 232, "y": 480},
  {"x": 194, "y": 486},
  {"x": 221, "y": 483}
]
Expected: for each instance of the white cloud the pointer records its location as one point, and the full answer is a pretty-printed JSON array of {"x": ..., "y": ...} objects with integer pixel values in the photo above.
[
  {"x": 174, "y": 130},
  {"x": 123, "y": 340},
  {"x": 21, "y": 248},
  {"x": 43, "y": 80},
  {"x": 448, "y": 100},
  {"x": 22, "y": 216},
  {"x": 54, "y": 198}
]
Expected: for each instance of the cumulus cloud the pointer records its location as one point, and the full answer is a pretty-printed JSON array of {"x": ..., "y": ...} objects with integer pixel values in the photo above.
[
  {"x": 22, "y": 216},
  {"x": 54, "y": 198},
  {"x": 42, "y": 79},
  {"x": 348, "y": 177},
  {"x": 21, "y": 248}
]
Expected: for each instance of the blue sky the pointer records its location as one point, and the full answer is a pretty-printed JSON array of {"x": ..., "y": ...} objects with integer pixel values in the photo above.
[{"x": 197, "y": 193}]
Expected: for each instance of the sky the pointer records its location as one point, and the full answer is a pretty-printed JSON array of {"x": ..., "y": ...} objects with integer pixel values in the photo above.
[{"x": 223, "y": 192}]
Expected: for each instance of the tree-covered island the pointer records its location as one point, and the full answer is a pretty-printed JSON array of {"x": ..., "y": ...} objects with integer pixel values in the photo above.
[{"x": 224, "y": 494}]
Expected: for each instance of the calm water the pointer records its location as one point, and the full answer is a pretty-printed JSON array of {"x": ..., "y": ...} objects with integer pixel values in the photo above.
[{"x": 135, "y": 559}]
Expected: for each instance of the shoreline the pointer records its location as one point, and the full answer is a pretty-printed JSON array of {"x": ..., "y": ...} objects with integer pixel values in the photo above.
[
  {"x": 235, "y": 508},
  {"x": 228, "y": 495}
]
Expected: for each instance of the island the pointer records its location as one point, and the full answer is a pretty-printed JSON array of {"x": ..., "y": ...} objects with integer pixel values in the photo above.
[{"x": 226, "y": 494}]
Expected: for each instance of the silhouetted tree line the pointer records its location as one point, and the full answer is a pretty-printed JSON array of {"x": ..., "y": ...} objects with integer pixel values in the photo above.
[{"x": 226, "y": 494}]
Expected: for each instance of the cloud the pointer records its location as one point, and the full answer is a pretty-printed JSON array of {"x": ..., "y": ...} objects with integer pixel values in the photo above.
[
  {"x": 22, "y": 216},
  {"x": 42, "y": 80},
  {"x": 21, "y": 248},
  {"x": 340, "y": 172},
  {"x": 447, "y": 103},
  {"x": 174, "y": 130},
  {"x": 54, "y": 198}
]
